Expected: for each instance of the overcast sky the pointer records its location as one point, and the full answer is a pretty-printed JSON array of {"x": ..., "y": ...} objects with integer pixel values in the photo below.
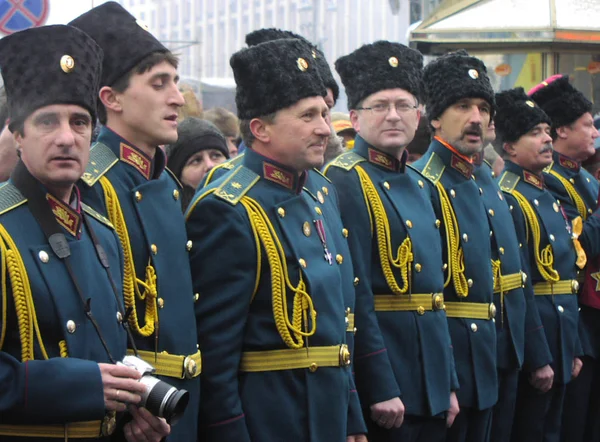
[{"x": 63, "y": 11}]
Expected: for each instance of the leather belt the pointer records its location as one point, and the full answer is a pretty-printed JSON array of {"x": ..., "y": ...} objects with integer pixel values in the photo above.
[
  {"x": 408, "y": 303},
  {"x": 75, "y": 430},
  {"x": 292, "y": 358},
  {"x": 565, "y": 287},
  {"x": 173, "y": 366},
  {"x": 510, "y": 282},
  {"x": 470, "y": 310}
]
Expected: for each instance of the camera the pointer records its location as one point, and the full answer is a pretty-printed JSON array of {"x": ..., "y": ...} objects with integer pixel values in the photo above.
[{"x": 160, "y": 399}]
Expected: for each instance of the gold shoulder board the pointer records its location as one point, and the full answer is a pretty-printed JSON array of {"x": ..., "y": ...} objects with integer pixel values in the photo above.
[
  {"x": 237, "y": 184},
  {"x": 346, "y": 161},
  {"x": 101, "y": 160},
  {"x": 97, "y": 216},
  {"x": 434, "y": 169},
  {"x": 10, "y": 198},
  {"x": 508, "y": 182}
]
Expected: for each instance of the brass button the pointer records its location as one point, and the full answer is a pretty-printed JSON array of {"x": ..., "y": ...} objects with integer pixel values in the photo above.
[
  {"x": 71, "y": 327},
  {"x": 313, "y": 367},
  {"x": 196, "y": 297},
  {"x": 480, "y": 189},
  {"x": 421, "y": 184},
  {"x": 536, "y": 202},
  {"x": 444, "y": 267},
  {"x": 590, "y": 211},
  {"x": 345, "y": 233},
  {"x": 188, "y": 245},
  {"x": 154, "y": 249},
  {"x": 560, "y": 308},
  {"x": 492, "y": 310},
  {"x": 452, "y": 193},
  {"x": 491, "y": 212},
  {"x": 470, "y": 282},
  {"x": 474, "y": 327},
  {"x": 418, "y": 267},
  {"x": 281, "y": 212},
  {"x": 465, "y": 237},
  {"x": 191, "y": 368},
  {"x": 493, "y": 174},
  {"x": 501, "y": 250},
  {"x": 306, "y": 228},
  {"x": 574, "y": 286},
  {"x": 356, "y": 281},
  {"x": 176, "y": 194},
  {"x": 318, "y": 210},
  {"x": 421, "y": 310},
  {"x": 354, "y": 330},
  {"x": 572, "y": 180},
  {"x": 160, "y": 302},
  {"x": 555, "y": 207},
  {"x": 339, "y": 259},
  {"x": 551, "y": 237},
  {"x": 510, "y": 207},
  {"x": 438, "y": 302},
  {"x": 320, "y": 197},
  {"x": 43, "y": 257},
  {"x": 119, "y": 317},
  {"x": 386, "y": 185},
  {"x": 344, "y": 356},
  {"x": 409, "y": 224},
  {"x": 520, "y": 245},
  {"x": 325, "y": 190},
  {"x": 302, "y": 263},
  {"x": 523, "y": 278},
  {"x": 438, "y": 223},
  {"x": 67, "y": 64},
  {"x": 138, "y": 196}
]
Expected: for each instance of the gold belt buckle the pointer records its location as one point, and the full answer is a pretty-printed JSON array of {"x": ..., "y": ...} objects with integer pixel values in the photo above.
[
  {"x": 574, "y": 286},
  {"x": 345, "y": 358},
  {"x": 190, "y": 367},
  {"x": 492, "y": 310},
  {"x": 438, "y": 301}
]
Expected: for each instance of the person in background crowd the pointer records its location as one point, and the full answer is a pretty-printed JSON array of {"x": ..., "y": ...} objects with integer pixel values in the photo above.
[
  {"x": 200, "y": 146},
  {"x": 9, "y": 155},
  {"x": 274, "y": 318},
  {"x": 126, "y": 180},
  {"x": 490, "y": 155},
  {"x": 420, "y": 143},
  {"x": 402, "y": 343},
  {"x": 192, "y": 107},
  {"x": 228, "y": 124},
  {"x": 459, "y": 101},
  {"x": 550, "y": 257},
  {"x": 342, "y": 126},
  {"x": 592, "y": 164}
]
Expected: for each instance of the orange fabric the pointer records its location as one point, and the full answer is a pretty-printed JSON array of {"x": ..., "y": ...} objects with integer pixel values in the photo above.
[{"x": 454, "y": 151}]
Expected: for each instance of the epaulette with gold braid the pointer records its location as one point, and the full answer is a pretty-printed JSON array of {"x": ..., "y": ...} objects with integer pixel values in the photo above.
[
  {"x": 434, "y": 169},
  {"x": 10, "y": 198},
  {"x": 346, "y": 161},
  {"x": 237, "y": 184},
  {"x": 508, "y": 182},
  {"x": 101, "y": 160},
  {"x": 227, "y": 165},
  {"x": 97, "y": 216}
]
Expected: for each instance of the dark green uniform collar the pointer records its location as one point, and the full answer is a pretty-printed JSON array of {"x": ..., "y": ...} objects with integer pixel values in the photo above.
[
  {"x": 378, "y": 157},
  {"x": 526, "y": 175},
  {"x": 566, "y": 162},
  {"x": 131, "y": 155},
  {"x": 273, "y": 171}
]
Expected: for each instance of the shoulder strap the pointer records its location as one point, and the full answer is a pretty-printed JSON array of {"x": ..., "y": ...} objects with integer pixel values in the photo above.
[
  {"x": 508, "y": 181},
  {"x": 237, "y": 184},
  {"x": 97, "y": 216},
  {"x": 101, "y": 160},
  {"x": 10, "y": 198},
  {"x": 346, "y": 161},
  {"x": 434, "y": 169}
]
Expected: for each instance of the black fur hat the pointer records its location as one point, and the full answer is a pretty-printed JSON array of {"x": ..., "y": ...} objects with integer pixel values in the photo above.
[
  {"x": 516, "y": 114},
  {"x": 452, "y": 77},
  {"x": 125, "y": 40},
  {"x": 49, "y": 65},
  {"x": 560, "y": 100},
  {"x": 378, "y": 66},
  {"x": 274, "y": 75},
  {"x": 268, "y": 34}
]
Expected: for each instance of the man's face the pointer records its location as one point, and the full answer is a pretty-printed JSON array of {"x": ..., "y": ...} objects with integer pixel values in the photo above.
[
  {"x": 329, "y": 101},
  {"x": 490, "y": 133},
  {"x": 391, "y": 121},
  {"x": 149, "y": 105},
  {"x": 199, "y": 164},
  {"x": 533, "y": 151},
  {"x": 55, "y": 145},
  {"x": 298, "y": 135},
  {"x": 463, "y": 124},
  {"x": 231, "y": 146},
  {"x": 580, "y": 137}
]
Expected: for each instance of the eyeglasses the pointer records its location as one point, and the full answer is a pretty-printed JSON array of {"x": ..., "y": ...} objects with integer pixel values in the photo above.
[{"x": 384, "y": 108}]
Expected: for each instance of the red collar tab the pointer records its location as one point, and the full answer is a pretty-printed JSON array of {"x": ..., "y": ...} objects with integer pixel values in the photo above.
[
  {"x": 65, "y": 215},
  {"x": 533, "y": 179},
  {"x": 136, "y": 159}
]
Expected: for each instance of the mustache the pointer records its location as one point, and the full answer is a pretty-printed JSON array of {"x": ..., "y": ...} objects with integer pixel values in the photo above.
[
  {"x": 546, "y": 148},
  {"x": 473, "y": 129}
]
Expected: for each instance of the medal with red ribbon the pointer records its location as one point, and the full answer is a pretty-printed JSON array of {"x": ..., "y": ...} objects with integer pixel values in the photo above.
[{"x": 323, "y": 237}]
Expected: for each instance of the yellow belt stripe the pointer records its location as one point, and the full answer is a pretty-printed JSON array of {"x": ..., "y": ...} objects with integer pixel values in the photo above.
[
  {"x": 404, "y": 303},
  {"x": 174, "y": 366},
  {"x": 565, "y": 287},
  {"x": 291, "y": 358},
  {"x": 509, "y": 282},
  {"x": 470, "y": 310},
  {"x": 76, "y": 430},
  {"x": 350, "y": 325}
]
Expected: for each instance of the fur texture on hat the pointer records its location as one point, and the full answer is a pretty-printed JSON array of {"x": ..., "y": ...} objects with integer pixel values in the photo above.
[
  {"x": 560, "y": 100},
  {"x": 269, "y": 34},
  {"x": 274, "y": 75},
  {"x": 516, "y": 114},
  {"x": 452, "y": 77},
  {"x": 378, "y": 66},
  {"x": 124, "y": 40},
  {"x": 49, "y": 65}
]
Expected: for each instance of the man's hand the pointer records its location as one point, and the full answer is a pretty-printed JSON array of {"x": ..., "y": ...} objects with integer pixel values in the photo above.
[
  {"x": 453, "y": 410},
  {"x": 389, "y": 413},
  {"x": 121, "y": 386},
  {"x": 357, "y": 438},
  {"x": 542, "y": 378},
  {"x": 577, "y": 364},
  {"x": 145, "y": 427}
]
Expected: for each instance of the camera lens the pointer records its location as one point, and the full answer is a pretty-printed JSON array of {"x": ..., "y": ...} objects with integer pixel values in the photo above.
[{"x": 164, "y": 400}]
